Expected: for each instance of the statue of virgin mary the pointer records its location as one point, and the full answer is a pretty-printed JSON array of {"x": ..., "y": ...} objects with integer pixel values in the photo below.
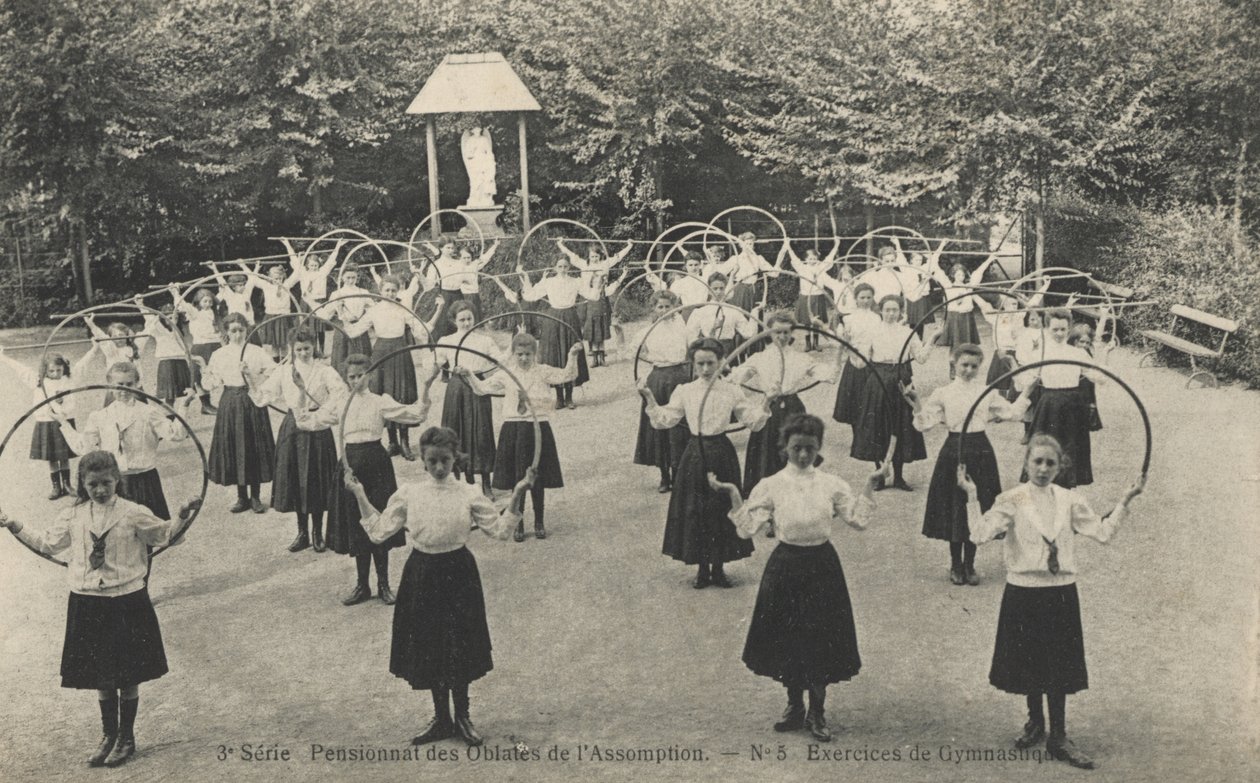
[{"x": 475, "y": 144}]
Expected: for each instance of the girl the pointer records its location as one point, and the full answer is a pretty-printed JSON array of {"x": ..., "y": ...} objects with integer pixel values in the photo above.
[
  {"x": 881, "y": 418},
  {"x": 1082, "y": 336},
  {"x": 1060, "y": 410},
  {"x": 306, "y": 475},
  {"x": 441, "y": 642},
  {"x": 778, "y": 374},
  {"x": 277, "y": 301},
  {"x": 916, "y": 282},
  {"x": 691, "y": 291},
  {"x": 723, "y": 324},
  {"x": 858, "y": 324},
  {"x": 802, "y": 631},
  {"x": 313, "y": 275},
  {"x": 242, "y": 450},
  {"x": 130, "y": 430},
  {"x": 236, "y": 292},
  {"x": 747, "y": 266},
  {"x": 1008, "y": 328},
  {"x": 447, "y": 271},
  {"x": 173, "y": 375},
  {"x": 666, "y": 350},
  {"x": 945, "y": 517},
  {"x": 113, "y": 642},
  {"x": 811, "y": 302},
  {"x": 960, "y": 316},
  {"x": 396, "y": 377},
  {"x": 697, "y": 531},
  {"x": 463, "y": 410},
  {"x": 203, "y": 327},
  {"x": 115, "y": 342},
  {"x": 367, "y": 459},
  {"x": 48, "y": 443},
  {"x": 345, "y": 306},
  {"x": 1040, "y": 647},
  {"x": 598, "y": 314},
  {"x": 560, "y": 290},
  {"x": 470, "y": 281},
  {"x": 516, "y": 436},
  {"x": 594, "y": 273}
]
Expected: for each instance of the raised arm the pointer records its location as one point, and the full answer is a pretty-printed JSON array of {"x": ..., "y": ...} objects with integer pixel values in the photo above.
[
  {"x": 574, "y": 258},
  {"x": 977, "y": 276},
  {"x": 485, "y": 258}
]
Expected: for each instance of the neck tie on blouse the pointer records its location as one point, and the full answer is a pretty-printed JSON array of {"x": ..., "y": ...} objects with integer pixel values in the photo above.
[
  {"x": 1052, "y": 562},
  {"x": 97, "y": 558},
  {"x": 521, "y": 406}
]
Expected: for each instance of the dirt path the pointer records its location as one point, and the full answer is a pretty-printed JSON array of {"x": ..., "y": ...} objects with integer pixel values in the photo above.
[{"x": 601, "y": 643}]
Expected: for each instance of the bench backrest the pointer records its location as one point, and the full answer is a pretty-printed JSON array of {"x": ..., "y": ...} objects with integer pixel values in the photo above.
[{"x": 1214, "y": 321}]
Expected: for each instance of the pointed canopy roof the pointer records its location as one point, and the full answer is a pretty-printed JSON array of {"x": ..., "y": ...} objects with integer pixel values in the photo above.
[{"x": 482, "y": 82}]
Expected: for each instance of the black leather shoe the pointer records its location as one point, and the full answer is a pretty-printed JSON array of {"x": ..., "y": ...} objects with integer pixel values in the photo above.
[
  {"x": 793, "y": 718},
  {"x": 361, "y": 593},
  {"x": 1062, "y": 749},
  {"x": 386, "y": 595},
  {"x": 881, "y": 485},
  {"x": 664, "y": 487},
  {"x": 816, "y": 722},
  {"x": 124, "y": 749},
  {"x": 466, "y": 730},
  {"x": 437, "y": 730},
  {"x": 973, "y": 578},
  {"x": 519, "y": 535},
  {"x": 407, "y": 453},
  {"x": 317, "y": 543},
  {"x": 701, "y": 581},
  {"x": 1034, "y": 734},
  {"x": 957, "y": 576},
  {"x": 97, "y": 759},
  {"x": 240, "y": 505},
  {"x": 394, "y": 451},
  {"x": 902, "y": 485},
  {"x": 300, "y": 543},
  {"x": 539, "y": 531},
  {"x": 257, "y": 506},
  {"x": 719, "y": 580}
]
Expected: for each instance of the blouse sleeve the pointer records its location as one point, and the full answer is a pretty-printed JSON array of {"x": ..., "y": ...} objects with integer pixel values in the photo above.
[
  {"x": 52, "y": 539},
  {"x": 1087, "y": 523},
  {"x": 752, "y": 415},
  {"x": 411, "y": 415},
  {"x": 166, "y": 428},
  {"x": 150, "y": 530},
  {"x": 531, "y": 292},
  {"x": 269, "y": 391},
  {"x": 359, "y": 327},
  {"x": 662, "y": 417},
  {"x": 755, "y": 512},
  {"x": 854, "y": 508},
  {"x": 383, "y": 524},
  {"x": 988, "y": 526},
  {"x": 493, "y": 522},
  {"x": 931, "y": 412}
]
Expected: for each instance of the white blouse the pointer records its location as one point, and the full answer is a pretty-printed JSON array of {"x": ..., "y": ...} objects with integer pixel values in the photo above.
[
  {"x": 560, "y": 291},
  {"x": 1007, "y": 328},
  {"x": 746, "y": 265},
  {"x": 389, "y": 321},
  {"x": 860, "y": 324},
  {"x": 239, "y": 302},
  {"x": 365, "y": 420},
  {"x": 202, "y": 324},
  {"x": 224, "y": 367},
  {"x": 537, "y": 381},
  {"x": 352, "y": 309},
  {"x": 276, "y": 298},
  {"x": 726, "y": 400},
  {"x": 129, "y": 430},
  {"x": 477, "y": 341},
  {"x": 786, "y": 374},
  {"x": 689, "y": 290},
  {"x": 1065, "y": 376},
  {"x": 128, "y": 528},
  {"x": 1031, "y": 516},
  {"x": 883, "y": 344},
  {"x": 802, "y": 505},
  {"x": 51, "y": 387},
  {"x": 914, "y": 285},
  {"x": 314, "y": 283},
  {"x": 450, "y": 273},
  {"x": 667, "y": 345},
  {"x": 439, "y": 515},
  {"x": 167, "y": 344},
  {"x": 949, "y": 404},
  {"x": 885, "y": 281},
  {"x": 722, "y": 323},
  {"x": 323, "y": 386}
]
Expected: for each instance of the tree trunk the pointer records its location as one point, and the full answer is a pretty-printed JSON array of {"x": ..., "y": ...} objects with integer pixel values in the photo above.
[
  {"x": 1240, "y": 193},
  {"x": 85, "y": 293},
  {"x": 870, "y": 226},
  {"x": 831, "y": 215}
]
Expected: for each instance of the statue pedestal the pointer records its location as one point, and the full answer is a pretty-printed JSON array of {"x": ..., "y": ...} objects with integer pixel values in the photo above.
[{"x": 486, "y": 219}]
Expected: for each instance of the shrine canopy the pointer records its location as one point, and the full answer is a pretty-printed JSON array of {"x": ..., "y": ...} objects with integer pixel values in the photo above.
[{"x": 481, "y": 82}]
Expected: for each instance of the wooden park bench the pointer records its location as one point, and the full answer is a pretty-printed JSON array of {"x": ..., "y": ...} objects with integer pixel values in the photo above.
[{"x": 1194, "y": 350}]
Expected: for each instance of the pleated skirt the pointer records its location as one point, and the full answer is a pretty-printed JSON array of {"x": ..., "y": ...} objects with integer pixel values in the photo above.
[
  {"x": 554, "y": 340},
  {"x": 397, "y": 376},
  {"x": 595, "y": 326},
  {"x": 764, "y": 457},
  {"x": 375, "y": 471},
  {"x": 1002, "y": 363},
  {"x": 445, "y": 324},
  {"x": 802, "y": 631},
  {"x": 811, "y": 307},
  {"x": 307, "y": 471},
  {"x": 697, "y": 528},
  {"x": 47, "y": 442},
  {"x": 917, "y": 310},
  {"x": 945, "y": 517},
  {"x": 884, "y": 415},
  {"x": 959, "y": 328},
  {"x": 849, "y": 393},
  {"x": 111, "y": 642},
  {"x": 1040, "y": 645},
  {"x": 516, "y": 453},
  {"x": 203, "y": 351},
  {"x": 1063, "y": 414},
  {"x": 471, "y": 416},
  {"x": 276, "y": 333},
  {"x": 144, "y": 489},
  {"x": 662, "y": 448},
  {"x": 242, "y": 450},
  {"x": 343, "y": 347},
  {"x": 173, "y": 378},
  {"x": 441, "y": 638}
]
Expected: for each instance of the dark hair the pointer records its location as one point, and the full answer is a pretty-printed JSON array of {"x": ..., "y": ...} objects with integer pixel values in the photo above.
[
  {"x": 801, "y": 424},
  {"x": 1059, "y": 314},
  {"x": 1080, "y": 331},
  {"x": 863, "y": 287},
  {"x": 349, "y": 268},
  {"x": 232, "y": 318},
  {"x": 96, "y": 462},
  {"x": 459, "y": 307},
  {"x": 355, "y": 360},
  {"x": 667, "y": 296},
  {"x": 394, "y": 279},
  {"x": 713, "y": 278},
  {"x": 692, "y": 255},
  {"x": 443, "y": 438},
  {"x": 524, "y": 338},
  {"x": 967, "y": 349},
  {"x": 901, "y": 304},
  {"x": 126, "y": 367},
  {"x": 780, "y": 317},
  {"x": 50, "y": 360},
  {"x": 955, "y": 268},
  {"x": 1049, "y": 441},
  {"x": 706, "y": 344},
  {"x": 304, "y": 336}
]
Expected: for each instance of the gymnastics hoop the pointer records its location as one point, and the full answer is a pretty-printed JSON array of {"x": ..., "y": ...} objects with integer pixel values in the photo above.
[
  {"x": 337, "y": 233},
  {"x": 289, "y": 340},
  {"x": 432, "y": 347},
  {"x": 1107, "y": 309},
  {"x": 526, "y": 313},
  {"x": 749, "y": 208},
  {"x": 703, "y": 232},
  {"x": 661, "y": 237},
  {"x": 520, "y": 249},
  {"x": 927, "y": 317},
  {"x": 205, "y": 463},
  {"x": 1146, "y": 421},
  {"x": 644, "y": 275},
  {"x": 378, "y": 244},
  {"x": 884, "y": 232},
  {"x": 411, "y": 240},
  {"x": 674, "y": 310},
  {"x": 362, "y": 295}
]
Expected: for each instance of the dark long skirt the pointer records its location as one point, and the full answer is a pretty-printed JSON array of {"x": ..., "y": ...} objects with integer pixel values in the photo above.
[
  {"x": 917, "y": 310},
  {"x": 595, "y": 326},
  {"x": 242, "y": 451},
  {"x": 764, "y": 457},
  {"x": 445, "y": 324},
  {"x": 111, "y": 642},
  {"x": 802, "y": 630},
  {"x": 471, "y": 416},
  {"x": 374, "y": 469},
  {"x": 475, "y": 301},
  {"x": 554, "y": 341},
  {"x": 276, "y": 333},
  {"x": 697, "y": 528},
  {"x": 204, "y": 351},
  {"x": 1002, "y": 363},
  {"x": 1089, "y": 395},
  {"x": 306, "y": 469},
  {"x": 959, "y": 328},
  {"x": 883, "y": 415},
  {"x": 144, "y": 489},
  {"x": 396, "y": 377},
  {"x": 440, "y": 634},
  {"x": 1063, "y": 414},
  {"x": 47, "y": 442},
  {"x": 744, "y": 295},
  {"x": 945, "y": 517},
  {"x": 516, "y": 453},
  {"x": 173, "y": 378},
  {"x": 811, "y": 307},
  {"x": 662, "y": 448},
  {"x": 1040, "y": 646},
  {"x": 343, "y": 347},
  {"x": 849, "y": 393}
]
